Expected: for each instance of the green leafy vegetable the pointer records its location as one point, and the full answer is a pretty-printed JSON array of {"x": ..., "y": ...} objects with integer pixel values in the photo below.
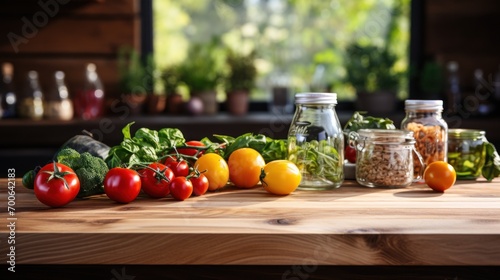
[
  {"x": 491, "y": 168},
  {"x": 145, "y": 146},
  {"x": 270, "y": 149},
  {"x": 359, "y": 121},
  {"x": 317, "y": 158}
]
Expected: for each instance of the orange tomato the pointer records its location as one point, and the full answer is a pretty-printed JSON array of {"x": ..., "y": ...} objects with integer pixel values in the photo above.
[
  {"x": 440, "y": 176},
  {"x": 245, "y": 166},
  {"x": 215, "y": 169}
]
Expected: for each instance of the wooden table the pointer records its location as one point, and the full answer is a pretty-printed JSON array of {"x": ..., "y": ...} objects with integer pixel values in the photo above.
[{"x": 352, "y": 225}]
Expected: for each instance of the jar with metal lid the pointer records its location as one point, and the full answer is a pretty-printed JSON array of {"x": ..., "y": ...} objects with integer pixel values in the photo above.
[
  {"x": 466, "y": 152},
  {"x": 385, "y": 157},
  {"x": 430, "y": 130},
  {"x": 316, "y": 141}
]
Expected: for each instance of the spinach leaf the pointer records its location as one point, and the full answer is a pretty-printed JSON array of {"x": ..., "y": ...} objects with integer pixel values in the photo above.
[
  {"x": 274, "y": 149},
  {"x": 170, "y": 137},
  {"x": 145, "y": 135},
  {"x": 270, "y": 149},
  {"x": 359, "y": 121},
  {"x": 126, "y": 131},
  {"x": 491, "y": 168},
  {"x": 145, "y": 146}
]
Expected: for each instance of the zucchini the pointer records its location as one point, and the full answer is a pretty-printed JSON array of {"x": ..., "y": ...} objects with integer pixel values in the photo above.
[{"x": 85, "y": 143}]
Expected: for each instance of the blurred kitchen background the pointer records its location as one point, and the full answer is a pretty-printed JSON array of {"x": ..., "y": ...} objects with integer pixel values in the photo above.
[{"x": 232, "y": 66}]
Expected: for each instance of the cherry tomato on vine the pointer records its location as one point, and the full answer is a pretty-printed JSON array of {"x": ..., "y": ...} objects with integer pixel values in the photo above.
[
  {"x": 192, "y": 151},
  {"x": 180, "y": 167},
  {"x": 245, "y": 165},
  {"x": 350, "y": 154},
  {"x": 56, "y": 185},
  {"x": 155, "y": 180},
  {"x": 440, "y": 176},
  {"x": 200, "y": 184},
  {"x": 181, "y": 188},
  {"x": 280, "y": 177},
  {"x": 122, "y": 184}
]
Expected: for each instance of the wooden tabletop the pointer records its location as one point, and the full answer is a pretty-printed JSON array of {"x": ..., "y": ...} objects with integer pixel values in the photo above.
[{"x": 352, "y": 225}]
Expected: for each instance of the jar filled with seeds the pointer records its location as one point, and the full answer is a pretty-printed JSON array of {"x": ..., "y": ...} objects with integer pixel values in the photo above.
[
  {"x": 316, "y": 141},
  {"x": 385, "y": 157},
  {"x": 430, "y": 130}
]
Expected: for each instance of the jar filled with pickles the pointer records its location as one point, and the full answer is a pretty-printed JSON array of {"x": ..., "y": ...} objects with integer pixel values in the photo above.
[{"x": 466, "y": 152}]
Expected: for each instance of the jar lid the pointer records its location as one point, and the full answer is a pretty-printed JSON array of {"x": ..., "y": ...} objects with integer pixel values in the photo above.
[
  {"x": 387, "y": 136},
  {"x": 316, "y": 98},
  {"x": 460, "y": 133},
  {"x": 412, "y": 104}
]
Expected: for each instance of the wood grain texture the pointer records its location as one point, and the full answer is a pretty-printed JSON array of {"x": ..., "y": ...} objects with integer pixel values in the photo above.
[
  {"x": 18, "y": 8},
  {"x": 352, "y": 225},
  {"x": 68, "y": 35}
]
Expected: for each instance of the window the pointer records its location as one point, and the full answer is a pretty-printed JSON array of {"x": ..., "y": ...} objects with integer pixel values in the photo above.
[{"x": 298, "y": 42}]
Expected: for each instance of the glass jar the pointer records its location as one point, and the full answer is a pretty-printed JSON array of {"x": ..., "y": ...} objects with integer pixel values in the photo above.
[
  {"x": 466, "y": 152},
  {"x": 430, "y": 130},
  {"x": 31, "y": 103},
  {"x": 89, "y": 101},
  {"x": 316, "y": 141},
  {"x": 385, "y": 158},
  {"x": 58, "y": 105}
]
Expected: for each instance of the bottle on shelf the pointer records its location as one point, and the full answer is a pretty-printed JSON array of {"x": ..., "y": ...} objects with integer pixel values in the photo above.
[
  {"x": 58, "y": 105},
  {"x": 31, "y": 103},
  {"x": 484, "y": 94},
  {"x": 453, "y": 92},
  {"x": 8, "y": 98},
  {"x": 89, "y": 101}
]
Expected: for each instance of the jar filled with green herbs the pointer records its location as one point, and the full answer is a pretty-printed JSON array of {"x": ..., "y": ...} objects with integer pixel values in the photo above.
[
  {"x": 316, "y": 141},
  {"x": 467, "y": 152}
]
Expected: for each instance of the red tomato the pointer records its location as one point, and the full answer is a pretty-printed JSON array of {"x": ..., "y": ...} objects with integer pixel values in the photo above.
[
  {"x": 122, "y": 184},
  {"x": 155, "y": 180},
  {"x": 180, "y": 167},
  {"x": 192, "y": 151},
  {"x": 56, "y": 185},
  {"x": 181, "y": 188},
  {"x": 350, "y": 154},
  {"x": 200, "y": 184}
]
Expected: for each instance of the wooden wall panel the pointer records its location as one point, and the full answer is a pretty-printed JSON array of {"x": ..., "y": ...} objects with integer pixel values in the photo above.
[
  {"x": 81, "y": 31},
  {"x": 15, "y": 8},
  {"x": 75, "y": 36}
]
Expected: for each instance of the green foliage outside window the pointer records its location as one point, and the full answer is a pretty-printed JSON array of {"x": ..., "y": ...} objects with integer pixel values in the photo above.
[{"x": 296, "y": 37}]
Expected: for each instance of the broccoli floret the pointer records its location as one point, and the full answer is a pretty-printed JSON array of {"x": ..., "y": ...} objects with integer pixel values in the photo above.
[
  {"x": 69, "y": 157},
  {"x": 91, "y": 174},
  {"x": 90, "y": 182},
  {"x": 90, "y": 170}
]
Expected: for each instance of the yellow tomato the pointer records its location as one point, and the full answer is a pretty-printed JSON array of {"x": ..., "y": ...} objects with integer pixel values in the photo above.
[
  {"x": 245, "y": 166},
  {"x": 440, "y": 176},
  {"x": 280, "y": 177},
  {"x": 216, "y": 170}
]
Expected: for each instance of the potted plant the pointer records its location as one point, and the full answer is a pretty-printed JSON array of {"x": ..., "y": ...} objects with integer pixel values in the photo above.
[
  {"x": 201, "y": 72},
  {"x": 239, "y": 81},
  {"x": 370, "y": 70},
  {"x": 156, "y": 94},
  {"x": 133, "y": 80},
  {"x": 171, "y": 80}
]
